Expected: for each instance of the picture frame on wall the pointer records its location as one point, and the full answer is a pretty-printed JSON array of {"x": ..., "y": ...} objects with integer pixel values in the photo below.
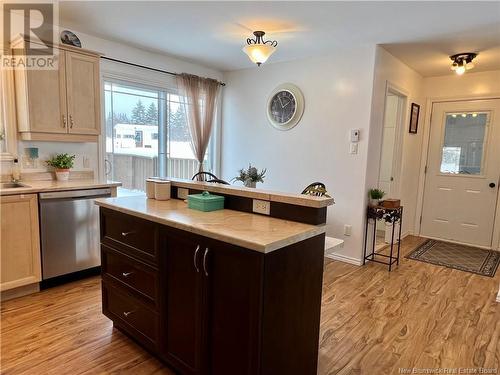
[{"x": 414, "y": 114}]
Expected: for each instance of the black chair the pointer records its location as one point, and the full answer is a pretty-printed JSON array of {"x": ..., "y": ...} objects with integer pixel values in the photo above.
[
  {"x": 317, "y": 189},
  {"x": 208, "y": 177}
]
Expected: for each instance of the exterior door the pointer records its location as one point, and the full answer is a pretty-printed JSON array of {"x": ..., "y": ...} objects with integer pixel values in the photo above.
[
  {"x": 83, "y": 92},
  {"x": 463, "y": 170}
]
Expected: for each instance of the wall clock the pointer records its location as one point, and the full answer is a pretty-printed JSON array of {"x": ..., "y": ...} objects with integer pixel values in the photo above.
[{"x": 285, "y": 106}]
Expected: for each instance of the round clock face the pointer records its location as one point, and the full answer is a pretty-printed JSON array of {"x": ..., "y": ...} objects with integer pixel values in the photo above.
[{"x": 282, "y": 107}]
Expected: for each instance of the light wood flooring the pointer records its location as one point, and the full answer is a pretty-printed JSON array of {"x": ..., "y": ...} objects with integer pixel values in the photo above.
[{"x": 373, "y": 322}]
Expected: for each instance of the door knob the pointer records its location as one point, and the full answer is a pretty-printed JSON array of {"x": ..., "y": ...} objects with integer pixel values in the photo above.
[{"x": 492, "y": 185}]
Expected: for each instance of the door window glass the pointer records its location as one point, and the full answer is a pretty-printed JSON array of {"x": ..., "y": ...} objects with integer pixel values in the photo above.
[{"x": 464, "y": 143}]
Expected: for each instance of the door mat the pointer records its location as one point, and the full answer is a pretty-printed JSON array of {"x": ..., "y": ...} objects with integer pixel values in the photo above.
[{"x": 460, "y": 257}]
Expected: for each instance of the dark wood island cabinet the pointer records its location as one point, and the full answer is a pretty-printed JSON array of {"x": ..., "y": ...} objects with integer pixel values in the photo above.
[{"x": 207, "y": 306}]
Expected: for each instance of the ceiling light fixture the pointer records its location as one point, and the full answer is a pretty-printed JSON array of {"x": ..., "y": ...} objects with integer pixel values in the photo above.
[
  {"x": 257, "y": 50},
  {"x": 462, "y": 62}
]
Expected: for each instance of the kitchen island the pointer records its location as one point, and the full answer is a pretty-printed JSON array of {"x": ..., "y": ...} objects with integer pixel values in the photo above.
[{"x": 222, "y": 292}]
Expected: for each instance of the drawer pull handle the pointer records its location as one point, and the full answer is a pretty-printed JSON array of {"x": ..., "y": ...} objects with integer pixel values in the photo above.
[
  {"x": 127, "y": 313},
  {"x": 205, "y": 261},
  {"x": 127, "y": 274},
  {"x": 125, "y": 234},
  {"x": 195, "y": 258}
]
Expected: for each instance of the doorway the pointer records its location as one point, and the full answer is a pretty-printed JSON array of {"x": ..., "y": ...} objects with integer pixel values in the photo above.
[
  {"x": 462, "y": 172},
  {"x": 390, "y": 156}
]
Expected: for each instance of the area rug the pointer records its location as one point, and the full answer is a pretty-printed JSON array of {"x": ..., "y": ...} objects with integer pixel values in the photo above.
[{"x": 465, "y": 258}]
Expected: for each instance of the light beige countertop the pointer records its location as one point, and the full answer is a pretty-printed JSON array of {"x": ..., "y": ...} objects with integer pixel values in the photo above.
[
  {"x": 53, "y": 185},
  {"x": 269, "y": 195},
  {"x": 256, "y": 232}
]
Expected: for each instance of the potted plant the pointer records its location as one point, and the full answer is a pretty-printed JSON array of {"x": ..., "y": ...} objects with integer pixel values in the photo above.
[
  {"x": 250, "y": 176},
  {"x": 62, "y": 163},
  {"x": 375, "y": 196}
]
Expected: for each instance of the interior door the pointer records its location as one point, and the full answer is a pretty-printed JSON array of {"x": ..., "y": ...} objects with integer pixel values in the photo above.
[
  {"x": 83, "y": 92},
  {"x": 181, "y": 336},
  {"x": 463, "y": 168}
]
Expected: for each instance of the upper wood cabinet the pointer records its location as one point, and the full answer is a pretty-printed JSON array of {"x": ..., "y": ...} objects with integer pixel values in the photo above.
[
  {"x": 20, "y": 241},
  {"x": 63, "y": 104}
]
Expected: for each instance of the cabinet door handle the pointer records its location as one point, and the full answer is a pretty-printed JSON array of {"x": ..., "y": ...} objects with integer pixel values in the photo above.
[
  {"x": 127, "y": 313},
  {"x": 127, "y": 274},
  {"x": 205, "y": 261},
  {"x": 195, "y": 258},
  {"x": 71, "y": 122},
  {"x": 64, "y": 121},
  {"x": 125, "y": 234}
]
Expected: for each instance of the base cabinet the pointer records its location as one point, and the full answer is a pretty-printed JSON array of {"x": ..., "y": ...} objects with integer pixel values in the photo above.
[
  {"x": 220, "y": 309},
  {"x": 20, "y": 241}
]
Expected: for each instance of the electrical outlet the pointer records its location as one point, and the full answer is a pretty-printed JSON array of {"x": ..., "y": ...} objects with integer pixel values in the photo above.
[
  {"x": 261, "y": 207},
  {"x": 182, "y": 193},
  {"x": 347, "y": 230}
]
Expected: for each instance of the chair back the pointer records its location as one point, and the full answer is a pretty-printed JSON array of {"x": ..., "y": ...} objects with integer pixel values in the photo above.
[
  {"x": 317, "y": 189},
  {"x": 208, "y": 177}
]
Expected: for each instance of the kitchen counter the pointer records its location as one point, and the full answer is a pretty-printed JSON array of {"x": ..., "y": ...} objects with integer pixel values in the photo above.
[
  {"x": 53, "y": 185},
  {"x": 256, "y": 232}
]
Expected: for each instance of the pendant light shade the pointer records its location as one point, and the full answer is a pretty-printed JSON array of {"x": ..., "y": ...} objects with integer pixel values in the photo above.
[{"x": 257, "y": 50}]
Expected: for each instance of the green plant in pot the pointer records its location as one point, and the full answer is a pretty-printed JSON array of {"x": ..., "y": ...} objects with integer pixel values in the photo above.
[
  {"x": 375, "y": 196},
  {"x": 62, "y": 163},
  {"x": 251, "y": 176}
]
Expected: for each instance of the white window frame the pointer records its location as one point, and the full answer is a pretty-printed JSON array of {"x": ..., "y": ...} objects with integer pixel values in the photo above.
[{"x": 149, "y": 80}]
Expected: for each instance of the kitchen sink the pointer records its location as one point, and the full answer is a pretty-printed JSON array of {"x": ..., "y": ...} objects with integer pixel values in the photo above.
[{"x": 11, "y": 185}]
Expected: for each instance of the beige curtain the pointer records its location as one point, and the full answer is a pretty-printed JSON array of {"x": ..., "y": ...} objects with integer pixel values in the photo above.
[{"x": 201, "y": 98}]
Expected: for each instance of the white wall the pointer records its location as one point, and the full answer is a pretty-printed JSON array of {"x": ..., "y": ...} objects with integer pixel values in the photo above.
[
  {"x": 337, "y": 91},
  {"x": 389, "y": 69}
]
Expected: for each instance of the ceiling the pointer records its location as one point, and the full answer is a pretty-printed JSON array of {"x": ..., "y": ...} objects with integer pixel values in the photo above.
[{"x": 422, "y": 34}]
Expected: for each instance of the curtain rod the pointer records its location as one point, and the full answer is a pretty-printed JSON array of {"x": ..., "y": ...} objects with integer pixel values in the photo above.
[{"x": 145, "y": 67}]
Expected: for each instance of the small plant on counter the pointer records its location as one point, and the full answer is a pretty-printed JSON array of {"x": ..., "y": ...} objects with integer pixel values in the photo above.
[
  {"x": 62, "y": 163},
  {"x": 251, "y": 176},
  {"x": 375, "y": 196}
]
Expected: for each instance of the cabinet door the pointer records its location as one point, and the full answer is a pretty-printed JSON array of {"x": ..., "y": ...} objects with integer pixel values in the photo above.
[
  {"x": 234, "y": 309},
  {"x": 83, "y": 92},
  {"x": 46, "y": 98},
  {"x": 182, "y": 307},
  {"x": 20, "y": 241}
]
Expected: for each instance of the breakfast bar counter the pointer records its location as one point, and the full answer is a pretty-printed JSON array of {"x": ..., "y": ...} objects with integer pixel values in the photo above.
[
  {"x": 220, "y": 292},
  {"x": 252, "y": 231}
]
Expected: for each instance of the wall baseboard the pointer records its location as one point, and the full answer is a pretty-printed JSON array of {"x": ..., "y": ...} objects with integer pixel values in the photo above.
[{"x": 344, "y": 258}]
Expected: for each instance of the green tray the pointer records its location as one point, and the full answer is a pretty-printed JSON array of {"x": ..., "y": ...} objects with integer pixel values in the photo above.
[{"x": 205, "y": 202}]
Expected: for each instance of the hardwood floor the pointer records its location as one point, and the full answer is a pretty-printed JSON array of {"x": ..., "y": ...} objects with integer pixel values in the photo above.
[{"x": 373, "y": 322}]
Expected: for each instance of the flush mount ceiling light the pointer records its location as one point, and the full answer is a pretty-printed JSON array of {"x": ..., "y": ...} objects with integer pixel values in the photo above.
[
  {"x": 462, "y": 62},
  {"x": 257, "y": 50}
]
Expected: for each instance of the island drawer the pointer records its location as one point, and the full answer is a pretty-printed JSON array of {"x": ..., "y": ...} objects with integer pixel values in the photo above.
[
  {"x": 130, "y": 234},
  {"x": 134, "y": 274},
  {"x": 130, "y": 314}
]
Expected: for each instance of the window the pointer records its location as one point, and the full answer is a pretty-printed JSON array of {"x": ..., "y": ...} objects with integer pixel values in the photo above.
[
  {"x": 147, "y": 135},
  {"x": 463, "y": 145}
]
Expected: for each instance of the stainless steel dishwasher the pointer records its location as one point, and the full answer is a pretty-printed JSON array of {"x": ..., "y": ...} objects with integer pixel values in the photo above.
[{"x": 69, "y": 227}]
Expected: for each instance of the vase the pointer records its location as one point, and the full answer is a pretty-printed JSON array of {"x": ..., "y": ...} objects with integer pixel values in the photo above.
[
  {"x": 62, "y": 174},
  {"x": 374, "y": 202},
  {"x": 250, "y": 184}
]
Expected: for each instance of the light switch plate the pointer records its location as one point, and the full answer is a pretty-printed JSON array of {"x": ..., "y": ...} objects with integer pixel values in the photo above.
[
  {"x": 261, "y": 207},
  {"x": 182, "y": 193},
  {"x": 353, "y": 148}
]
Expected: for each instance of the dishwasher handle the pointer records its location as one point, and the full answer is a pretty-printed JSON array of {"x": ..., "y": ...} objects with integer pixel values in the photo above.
[{"x": 75, "y": 194}]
